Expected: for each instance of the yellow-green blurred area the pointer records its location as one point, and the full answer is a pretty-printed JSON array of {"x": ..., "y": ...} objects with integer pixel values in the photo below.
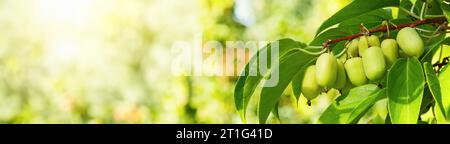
[{"x": 109, "y": 61}]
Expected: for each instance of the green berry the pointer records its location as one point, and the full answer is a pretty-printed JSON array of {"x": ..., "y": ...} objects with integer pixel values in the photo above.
[
  {"x": 310, "y": 88},
  {"x": 355, "y": 71},
  {"x": 341, "y": 76},
  {"x": 326, "y": 70},
  {"x": 363, "y": 44},
  {"x": 410, "y": 42},
  {"x": 352, "y": 48},
  {"x": 374, "y": 41},
  {"x": 374, "y": 63},
  {"x": 390, "y": 50}
]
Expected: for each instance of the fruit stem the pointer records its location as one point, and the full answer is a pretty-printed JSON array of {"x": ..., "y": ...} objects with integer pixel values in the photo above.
[
  {"x": 308, "y": 102},
  {"x": 440, "y": 27},
  {"x": 409, "y": 13},
  {"x": 383, "y": 28},
  {"x": 386, "y": 23},
  {"x": 423, "y": 10}
]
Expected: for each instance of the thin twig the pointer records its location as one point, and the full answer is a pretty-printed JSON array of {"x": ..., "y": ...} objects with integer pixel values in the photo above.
[{"x": 434, "y": 33}]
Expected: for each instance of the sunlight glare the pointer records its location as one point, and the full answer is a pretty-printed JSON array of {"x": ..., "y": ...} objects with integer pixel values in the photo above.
[{"x": 72, "y": 12}]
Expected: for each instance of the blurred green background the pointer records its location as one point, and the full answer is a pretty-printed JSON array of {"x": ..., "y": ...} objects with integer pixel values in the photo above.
[{"x": 108, "y": 61}]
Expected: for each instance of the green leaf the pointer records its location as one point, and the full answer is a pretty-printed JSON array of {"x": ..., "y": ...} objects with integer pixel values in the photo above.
[
  {"x": 289, "y": 65},
  {"x": 433, "y": 84},
  {"x": 431, "y": 48},
  {"x": 370, "y": 20},
  {"x": 387, "y": 120},
  {"x": 354, "y": 9},
  {"x": 400, "y": 21},
  {"x": 445, "y": 6},
  {"x": 446, "y": 41},
  {"x": 405, "y": 86},
  {"x": 432, "y": 8},
  {"x": 444, "y": 80},
  {"x": 246, "y": 85},
  {"x": 427, "y": 100},
  {"x": 332, "y": 33},
  {"x": 342, "y": 108},
  {"x": 365, "y": 105},
  {"x": 298, "y": 79}
]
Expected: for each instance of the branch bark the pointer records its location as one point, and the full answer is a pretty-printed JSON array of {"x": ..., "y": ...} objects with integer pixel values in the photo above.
[
  {"x": 439, "y": 65},
  {"x": 437, "y": 20}
]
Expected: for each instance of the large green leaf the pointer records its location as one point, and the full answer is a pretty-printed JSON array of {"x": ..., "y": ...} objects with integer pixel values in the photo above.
[
  {"x": 330, "y": 34},
  {"x": 427, "y": 100},
  {"x": 365, "y": 105},
  {"x": 246, "y": 85},
  {"x": 433, "y": 84},
  {"x": 354, "y": 9},
  {"x": 289, "y": 65},
  {"x": 446, "y": 41},
  {"x": 405, "y": 86},
  {"x": 444, "y": 80},
  {"x": 350, "y": 105},
  {"x": 370, "y": 20}
]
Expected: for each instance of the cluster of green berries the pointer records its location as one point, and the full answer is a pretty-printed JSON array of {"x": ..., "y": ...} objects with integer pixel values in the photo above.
[{"x": 366, "y": 61}]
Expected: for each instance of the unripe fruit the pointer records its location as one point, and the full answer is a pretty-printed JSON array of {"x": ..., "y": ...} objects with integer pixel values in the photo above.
[
  {"x": 310, "y": 88},
  {"x": 326, "y": 70},
  {"x": 374, "y": 41},
  {"x": 410, "y": 42},
  {"x": 390, "y": 51},
  {"x": 341, "y": 78},
  {"x": 363, "y": 44},
  {"x": 352, "y": 48},
  {"x": 355, "y": 71},
  {"x": 374, "y": 63}
]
